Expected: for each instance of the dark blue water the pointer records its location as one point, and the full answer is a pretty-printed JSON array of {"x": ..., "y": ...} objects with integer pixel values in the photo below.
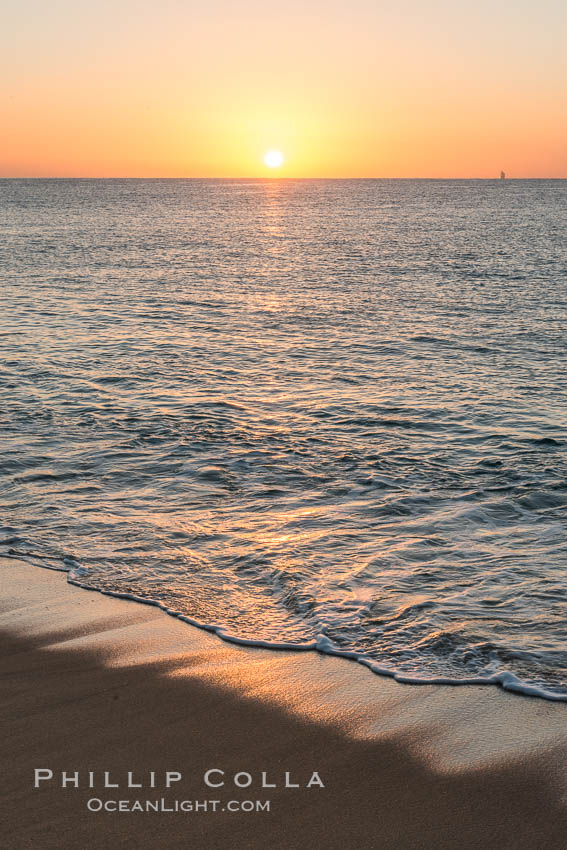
[{"x": 294, "y": 409}]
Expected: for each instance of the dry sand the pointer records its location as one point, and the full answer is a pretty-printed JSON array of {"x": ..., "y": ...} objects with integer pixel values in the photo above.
[{"x": 92, "y": 683}]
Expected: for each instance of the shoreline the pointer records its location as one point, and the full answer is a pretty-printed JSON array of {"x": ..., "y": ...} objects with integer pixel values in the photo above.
[
  {"x": 96, "y": 683},
  {"x": 505, "y": 680}
]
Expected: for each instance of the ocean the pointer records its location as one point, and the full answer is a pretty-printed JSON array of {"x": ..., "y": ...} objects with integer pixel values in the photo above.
[{"x": 321, "y": 414}]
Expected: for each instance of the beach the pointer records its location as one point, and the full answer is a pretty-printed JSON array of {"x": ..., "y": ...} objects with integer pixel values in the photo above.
[{"x": 97, "y": 685}]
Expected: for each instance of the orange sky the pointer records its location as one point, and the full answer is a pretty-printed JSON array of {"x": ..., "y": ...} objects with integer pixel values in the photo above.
[{"x": 188, "y": 88}]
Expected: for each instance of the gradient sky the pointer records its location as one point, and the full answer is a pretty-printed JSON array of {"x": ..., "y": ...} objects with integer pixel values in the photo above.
[{"x": 202, "y": 88}]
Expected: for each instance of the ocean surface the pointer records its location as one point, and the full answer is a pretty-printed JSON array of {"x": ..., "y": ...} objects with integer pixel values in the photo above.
[{"x": 321, "y": 413}]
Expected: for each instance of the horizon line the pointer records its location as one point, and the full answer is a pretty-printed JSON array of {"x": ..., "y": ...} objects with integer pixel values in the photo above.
[{"x": 262, "y": 177}]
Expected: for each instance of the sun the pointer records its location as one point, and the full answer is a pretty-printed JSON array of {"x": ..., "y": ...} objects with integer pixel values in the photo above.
[{"x": 273, "y": 159}]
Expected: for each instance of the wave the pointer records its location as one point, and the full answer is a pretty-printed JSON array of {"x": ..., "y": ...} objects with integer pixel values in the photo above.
[{"x": 321, "y": 643}]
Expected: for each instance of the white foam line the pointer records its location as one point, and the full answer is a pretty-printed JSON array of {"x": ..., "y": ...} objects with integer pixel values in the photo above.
[
  {"x": 207, "y": 627},
  {"x": 504, "y": 679}
]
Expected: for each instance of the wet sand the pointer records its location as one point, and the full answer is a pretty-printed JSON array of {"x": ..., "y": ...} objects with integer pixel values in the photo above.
[{"x": 92, "y": 683}]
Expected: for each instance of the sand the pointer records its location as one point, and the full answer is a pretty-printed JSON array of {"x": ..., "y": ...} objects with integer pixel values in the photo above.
[{"x": 93, "y": 683}]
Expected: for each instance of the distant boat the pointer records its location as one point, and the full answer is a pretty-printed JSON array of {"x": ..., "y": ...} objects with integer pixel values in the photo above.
[{"x": 503, "y": 175}]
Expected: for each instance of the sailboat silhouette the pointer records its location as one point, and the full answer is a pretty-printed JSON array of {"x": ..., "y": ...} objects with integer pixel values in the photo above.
[{"x": 502, "y": 175}]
